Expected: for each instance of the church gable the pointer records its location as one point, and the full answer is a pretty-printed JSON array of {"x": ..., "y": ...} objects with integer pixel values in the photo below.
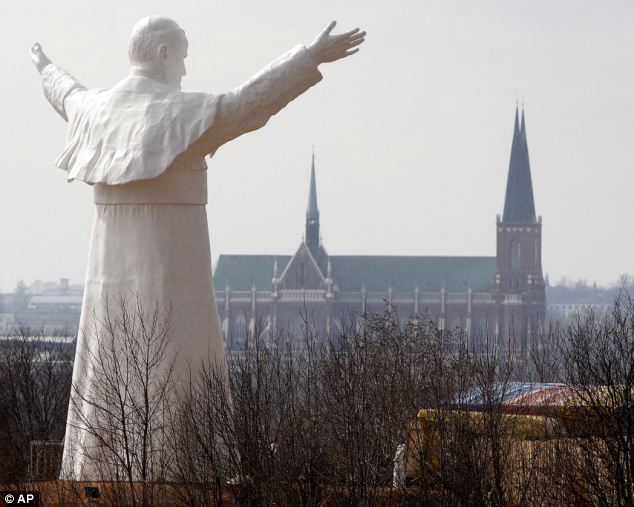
[{"x": 302, "y": 272}]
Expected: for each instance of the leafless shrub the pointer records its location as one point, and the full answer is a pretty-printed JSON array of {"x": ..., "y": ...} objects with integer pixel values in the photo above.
[
  {"x": 306, "y": 421},
  {"x": 598, "y": 364},
  {"x": 373, "y": 378},
  {"x": 125, "y": 414},
  {"x": 316, "y": 422},
  {"x": 35, "y": 378}
]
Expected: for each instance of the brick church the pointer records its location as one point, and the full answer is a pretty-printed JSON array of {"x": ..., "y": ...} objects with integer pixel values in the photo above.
[{"x": 502, "y": 296}]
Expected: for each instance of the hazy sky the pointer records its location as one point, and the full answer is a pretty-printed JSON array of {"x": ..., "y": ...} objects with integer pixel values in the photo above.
[{"x": 412, "y": 135}]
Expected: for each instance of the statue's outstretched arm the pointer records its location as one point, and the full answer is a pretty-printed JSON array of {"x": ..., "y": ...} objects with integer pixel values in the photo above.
[
  {"x": 58, "y": 84},
  {"x": 250, "y": 106}
]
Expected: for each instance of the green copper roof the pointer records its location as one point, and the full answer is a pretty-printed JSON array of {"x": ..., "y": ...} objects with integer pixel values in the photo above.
[
  {"x": 240, "y": 271},
  {"x": 404, "y": 273},
  {"x": 350, "y": 272}
]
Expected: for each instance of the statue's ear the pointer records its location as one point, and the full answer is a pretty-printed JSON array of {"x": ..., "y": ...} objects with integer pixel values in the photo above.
[{"x": 162, "y": 51}]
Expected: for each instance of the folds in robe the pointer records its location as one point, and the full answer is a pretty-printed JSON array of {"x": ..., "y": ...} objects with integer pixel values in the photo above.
[{"x": 132, "y": 131}]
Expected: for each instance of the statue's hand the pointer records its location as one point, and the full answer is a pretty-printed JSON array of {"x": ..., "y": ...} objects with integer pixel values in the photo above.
[
  {"x": 328, "y": 48},
  {"x": 40, "y": 60}
]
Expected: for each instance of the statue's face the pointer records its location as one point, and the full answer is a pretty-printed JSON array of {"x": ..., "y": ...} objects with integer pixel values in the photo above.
[{"x": 172, "y": 59}]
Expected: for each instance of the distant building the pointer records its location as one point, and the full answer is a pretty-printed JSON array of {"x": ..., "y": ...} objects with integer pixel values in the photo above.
[
  {"x": 564, "y": 312},
  {"x": 50, "y": 308},
  {"x": 501, "y": 295},
  {"x": 567, "y": 301}
]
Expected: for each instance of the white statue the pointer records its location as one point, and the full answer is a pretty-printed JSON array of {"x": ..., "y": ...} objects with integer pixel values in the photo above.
[{"x": 142, "y": 145}]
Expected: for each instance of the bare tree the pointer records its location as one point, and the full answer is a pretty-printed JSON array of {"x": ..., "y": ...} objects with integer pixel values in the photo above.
[
  {"x": 204, "y": 438},
  {"x": 313, "y": 422},
  {"x": 598, "y": 363},
  {"x": 465, "y": 444},
  {"x": 126, "y": 413},
  {"x": 372, "y": 380},
  {"x": 35, "y": 378},
  {"x": 304, "y": 422}
]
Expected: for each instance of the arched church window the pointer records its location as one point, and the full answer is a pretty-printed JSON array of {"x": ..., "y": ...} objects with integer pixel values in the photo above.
[{"x": 515, "y": 253}]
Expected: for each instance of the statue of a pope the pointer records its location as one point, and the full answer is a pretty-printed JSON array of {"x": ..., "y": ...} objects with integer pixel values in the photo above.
[{"x": 142, "y": 145}]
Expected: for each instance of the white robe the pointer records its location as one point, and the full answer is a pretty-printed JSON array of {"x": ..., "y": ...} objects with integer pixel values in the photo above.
[{"x": 142, "y": 146}]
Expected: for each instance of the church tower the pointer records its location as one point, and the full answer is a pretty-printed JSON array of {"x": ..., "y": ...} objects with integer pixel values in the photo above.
[
  {"x": 313, "y": 235},
  {"x": 519, "y": 284},
  {"x": 312, "y": 212}
]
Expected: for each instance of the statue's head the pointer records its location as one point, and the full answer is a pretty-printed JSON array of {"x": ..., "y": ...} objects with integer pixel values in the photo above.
[{"x": 159, "y": 45}]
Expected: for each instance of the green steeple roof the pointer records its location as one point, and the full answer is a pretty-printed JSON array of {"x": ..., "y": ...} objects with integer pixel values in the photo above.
[
  {"x": 312, "y": 236},
  {"x": 519, "y": 206}
]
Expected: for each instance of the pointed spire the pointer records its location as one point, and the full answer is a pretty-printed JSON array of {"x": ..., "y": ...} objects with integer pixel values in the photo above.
[
  {"x": 523, "y": 130},
  {"x": 312, "y": 213},
  {"x": 519, "y": 206},
  {"x": 312, "y": 210}
]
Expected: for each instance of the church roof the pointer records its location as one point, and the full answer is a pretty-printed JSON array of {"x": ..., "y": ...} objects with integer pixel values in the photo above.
[
  {"x": 519, "y": 205},
  {"x": 241, "y": 271},
  {"x": 377, "y": 272},
  {"x": 403, "y": 273}
]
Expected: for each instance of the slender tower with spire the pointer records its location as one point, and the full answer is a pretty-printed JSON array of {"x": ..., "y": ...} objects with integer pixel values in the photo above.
[
  {"x": 313, "y": 236},
  {"x": 519, "y": 283},
  {"x": 312, "y": 212}
]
